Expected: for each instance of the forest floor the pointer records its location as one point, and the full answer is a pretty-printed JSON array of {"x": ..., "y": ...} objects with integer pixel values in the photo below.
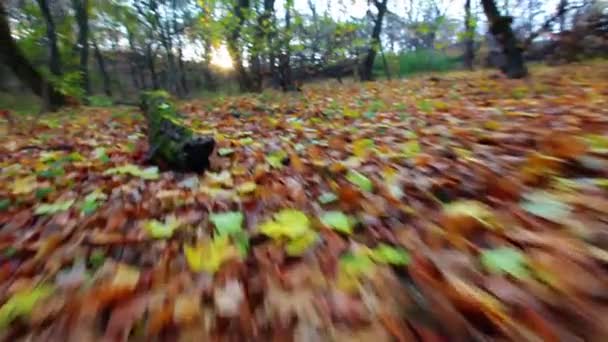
[{"x": 461, "y": 206}]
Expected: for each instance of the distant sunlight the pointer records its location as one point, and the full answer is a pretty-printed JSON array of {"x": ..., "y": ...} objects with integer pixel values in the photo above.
[{"x": 220, "y": 57}]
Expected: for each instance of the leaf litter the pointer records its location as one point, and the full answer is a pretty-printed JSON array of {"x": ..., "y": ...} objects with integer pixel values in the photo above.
[{"x": 396, "y": 210}]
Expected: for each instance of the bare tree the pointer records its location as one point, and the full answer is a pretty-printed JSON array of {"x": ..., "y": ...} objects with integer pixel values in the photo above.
[
  {"x": 13, "y": 57},
  {"x": 82, "y": 19},
  {"x": 368, "y": 61},
  {"x": 469, "y": 31},
  {"x": 51, "y": 36},
  {"x": 500, "y": 27}
]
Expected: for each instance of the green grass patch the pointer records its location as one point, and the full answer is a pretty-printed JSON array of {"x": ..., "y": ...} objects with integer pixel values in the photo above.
[{"x": 415, "y": 62}]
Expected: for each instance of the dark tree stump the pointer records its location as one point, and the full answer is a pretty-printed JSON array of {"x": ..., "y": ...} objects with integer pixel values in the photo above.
[{"x": 172, "y": 143}]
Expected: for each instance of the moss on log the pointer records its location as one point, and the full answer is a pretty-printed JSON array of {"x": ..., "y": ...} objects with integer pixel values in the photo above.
[{"x": 172, "y": 143}]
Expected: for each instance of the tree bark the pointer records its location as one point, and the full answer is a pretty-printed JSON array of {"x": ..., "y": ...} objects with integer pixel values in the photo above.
[
  {"x": 102, "y": 68},
  {"x": 469, "y": 31},
  {"x": 11, "y": 56},
  {"x": 285, "y": 76},
  {"x": 233, "y": 45},
  {"x": 51, "y": 36},
  {"x": 151, "y": 66},
  {"x": 171, "y": 142},
  {"x": 500, "y": 27},
  {"x": 368, "y": 62},
  {"x": 82, "y": 18}
]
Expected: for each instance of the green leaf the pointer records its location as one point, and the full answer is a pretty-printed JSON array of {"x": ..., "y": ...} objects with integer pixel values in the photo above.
[
  {"x": 288, "y": 223},
  {"x": 505, "y": 260},
  {"x": 43, "y": 192},
  {"x": 475, "y": 209},
  {"x": 97, "y": 258},
  {"x": 411, "y": 148},
  {"x": 362, "y": 147},
  {"x": 241, "y": 240},
  {"x": 228, "y": 223},
  {"x": 246, "y": 141},
  {"x": 100, "y": 153},
  {"x": 149, "y": 173},
  {"x": 597, "y": 143},
  {"x": 337, "y": 220},
  {"x": 386, "y": 254},
  {"x": 92, "y": 201},
  {"x": 160, "y": 230},
  {"x": 546, "y": 205},
  {"x": 46, "y": 209},
  {"x": 327, "y": 197},
  {"x": 356, "y": 264},
  {"x": 22, "y": 303},
  {"x": 225, "y": 151},
  {"x": 5, "y": 203},
  {"x": 360, "y": 180},
  {"x": 301, "y": 244},
  {"x": 52, "y": 172},
  {"x": 276, "y": 158}
]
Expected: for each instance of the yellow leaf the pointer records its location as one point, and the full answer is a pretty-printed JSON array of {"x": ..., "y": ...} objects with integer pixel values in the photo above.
[
  {"x": 24, "y": 185},
  {"x": 362, "y": 147},
  {"x": 210, "y": 256},
  {"x": 301, "y": 244}
]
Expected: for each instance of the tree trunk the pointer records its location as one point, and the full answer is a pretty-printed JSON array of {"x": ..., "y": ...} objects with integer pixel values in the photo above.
[
  {"x": 385, "y": 63},
  {"x": 82, "y": 18},
  {"x": 102, "y": 68},
  {"x": 139, "y": 77},
  {"x": 500, "y": 27},
  {"x": 51, "y": 36},
  {"x": 469, "y": 31},
  {"x": 368, "y": 62},
  {"x": 208, "y": 79},
  {"x": 11, "y": 56},
  {"x": 171, "y": 142},
  {"x": 182, "y": 69},
  {"x": 285, "y": 77},
  {"x": 233, "y": 45},
  {"x": 151, "y": 66},
  {"x": 563, "y": 4}
]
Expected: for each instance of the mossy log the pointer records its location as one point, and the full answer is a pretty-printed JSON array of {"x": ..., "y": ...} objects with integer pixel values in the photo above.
[{"x": 172, "y": 143}]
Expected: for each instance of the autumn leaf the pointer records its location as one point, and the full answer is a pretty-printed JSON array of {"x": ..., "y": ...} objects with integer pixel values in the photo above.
[
  {"x": 209, "y": 256},
  {"x": 22, "y": 303},
  {"x": 246, "y": 188},
  {"x": 362, "y": 147},
  {"x": 469, "y": 208},
  {"x": 53, "y": 208},
  {"x": 276, "y": 158},
  {"x": 228, "y": 223},
  {"x": 162, "y": 230},
  {"x": 411, "y": 149},
  {"x": 545, "y": 205},
  {"x": 386, "y": 254},
  {"x": 225, "y": 151},
  {"x": 301, "y": 244},
  {"x": 24, "y": 185},
  {"x": 505, "y": 260},
  {"x": 288, "y": 223},
  {"x": 360, "y": 180},
  {"x": 150, "y": 173},
  {"x": 337, "y": 220}
]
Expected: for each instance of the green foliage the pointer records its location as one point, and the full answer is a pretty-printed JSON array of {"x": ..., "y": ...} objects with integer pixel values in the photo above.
[
  {"x": 415, "y": 62},
  {"x": 68, "y": 84},
  {"x": 100, "y": 101},
  {"x": 22, "y": 303}
]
